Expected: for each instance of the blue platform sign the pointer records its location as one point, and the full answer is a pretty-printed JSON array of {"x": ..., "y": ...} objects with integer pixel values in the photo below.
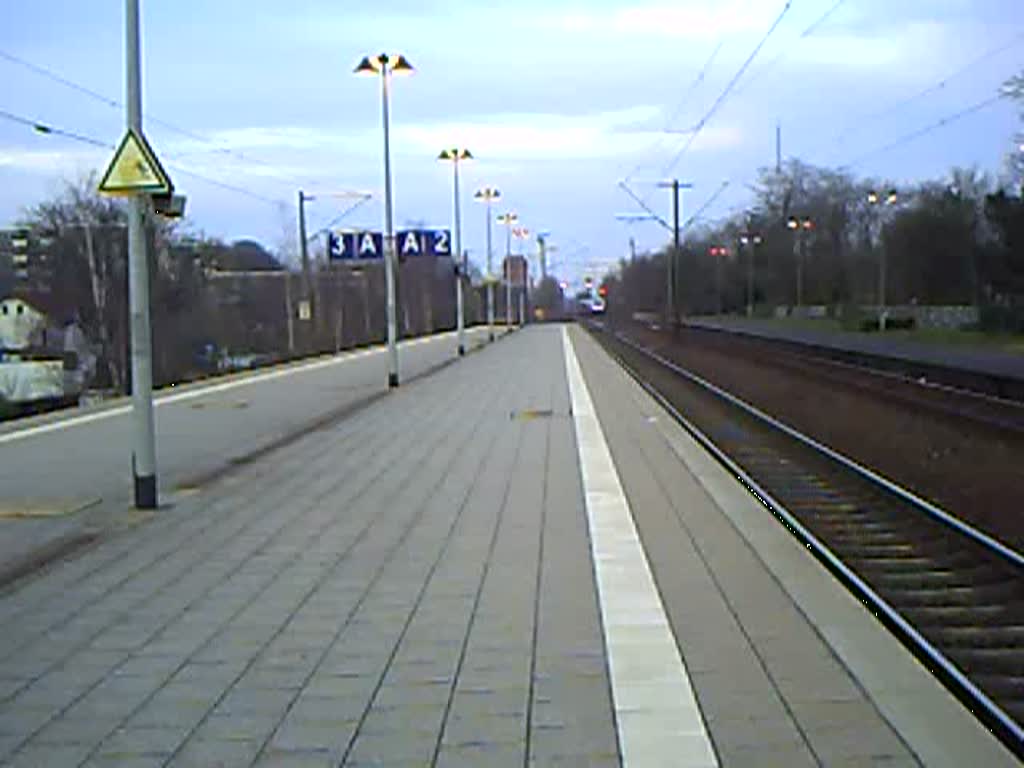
[
  {"x": 440, "y": 242},
  {"x": 339, "y": 245},
  {"x": 369, "y": 245},
  {"x": 409, "y": 243}
]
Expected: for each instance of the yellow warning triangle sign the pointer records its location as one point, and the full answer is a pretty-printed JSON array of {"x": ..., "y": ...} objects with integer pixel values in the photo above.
[{"x": 134, "y": 169}]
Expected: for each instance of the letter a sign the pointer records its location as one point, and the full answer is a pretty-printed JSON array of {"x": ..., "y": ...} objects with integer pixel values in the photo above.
[{"x": 135, "y": 169}]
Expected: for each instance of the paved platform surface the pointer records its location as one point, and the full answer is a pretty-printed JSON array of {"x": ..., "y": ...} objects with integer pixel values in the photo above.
[
  {"x": 989, "y": 361},
  {"x": 69, "y": 471},
  {"x": 415, "y": 585}
]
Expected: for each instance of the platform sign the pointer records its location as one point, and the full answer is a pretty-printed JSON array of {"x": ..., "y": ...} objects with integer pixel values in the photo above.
[
  {"x": 339, "y": 246},
  {"x": 410, "y": 243},
  {"x": 368, "y": 245},
  {"x": 440, "y": 241}
]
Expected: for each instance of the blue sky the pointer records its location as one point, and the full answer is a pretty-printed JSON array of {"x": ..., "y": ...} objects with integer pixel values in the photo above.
[{"x": 558, "y": 101}]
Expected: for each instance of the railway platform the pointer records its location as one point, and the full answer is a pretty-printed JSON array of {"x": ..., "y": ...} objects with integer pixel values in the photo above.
[
  {"x": 519, "y": 559},
  {"x": 956, "y": 364}
]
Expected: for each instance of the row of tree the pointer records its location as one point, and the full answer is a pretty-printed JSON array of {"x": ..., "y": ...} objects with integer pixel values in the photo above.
[
  {"x": 215, "y": 303},
  {"x": 819, "y": 236},
  {"x": 823, "y": 236}
]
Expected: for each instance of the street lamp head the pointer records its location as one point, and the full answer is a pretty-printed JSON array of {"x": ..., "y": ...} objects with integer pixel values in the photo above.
[
  {"x": 891, "y": 197},
  {"x": 793, "y": 223},
  {"x": 487, "y": 194},
  {"x": 873, "y": 197},
  {"x": 375, "y": 65},
  {"x": 368, "y": 66},
  {"x": 402, "y": 66}
]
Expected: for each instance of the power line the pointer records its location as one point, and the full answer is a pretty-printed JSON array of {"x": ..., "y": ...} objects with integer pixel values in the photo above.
[
  {"x": 727, "y": 90},
  {"x": 810, "y": 30},
  {"x": 930, "y": 128},
  {"x": 934, "y": 87},
  {"x": 707, "y": 204},
  {"x": 47, "y": 129},
  {"x": 657, "y": 143},
  {"x": 114, "y": 103}
]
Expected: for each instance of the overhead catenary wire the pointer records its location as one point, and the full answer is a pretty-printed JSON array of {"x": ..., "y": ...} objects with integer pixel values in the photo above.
[
  {"x": 927, "y": 129},
  {"x": 697, "y": 81},
  {"x": 939, "y": 85},
  {"x": 727, "y": 90},
  {"x": 117, "y": 104},
  {"x": 49, "y": 129},
  {"x": 772, "y": 63}
]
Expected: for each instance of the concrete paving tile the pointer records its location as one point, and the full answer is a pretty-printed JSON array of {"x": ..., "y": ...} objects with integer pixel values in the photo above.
[
  {"x": 50, "y": 756},
  {"x": 393, "y": 745},
  {"x": 255, "y": 701},
  {"x": 202, "y": 753},
  {"x": 132, "y": 742},
  {"x": 795, "y": 755},
  {"x": 247, "y": 727},
  {"x": 76, "y": 730},
  {"x": 475, "y": 755},
  {"x": 860, "y": 740},
  {"x": 467, "y": 729},
  {"x": 297, "y": 759},
  {"x": 299, "y": 736}
]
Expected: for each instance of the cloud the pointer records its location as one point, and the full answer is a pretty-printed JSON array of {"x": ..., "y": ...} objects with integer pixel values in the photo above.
[
  {"x": 689, "y": 20},
  {"x": 51, "y": 161}
]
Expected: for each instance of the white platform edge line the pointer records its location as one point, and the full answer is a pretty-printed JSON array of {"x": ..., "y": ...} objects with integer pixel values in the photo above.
[
  {"x": 212, "y": 389},
  {"x": 657, "y": 716}
]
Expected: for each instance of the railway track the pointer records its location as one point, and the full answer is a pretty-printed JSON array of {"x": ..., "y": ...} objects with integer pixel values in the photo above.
[
  {"x": 957, "y": 404},
  {"x": 952, "y": 594}
]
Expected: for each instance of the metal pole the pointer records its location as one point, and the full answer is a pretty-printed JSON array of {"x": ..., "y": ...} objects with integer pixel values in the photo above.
[
  {"x": 799, "y": 269},
  {"x": 881, "y": 282},
  {"x": 490, "y": 276},
  {"x": 508, "y": 273},
  {"x": 752, "y": 248},
  {"x": 673, "y": 315},
  {"x": 459, "y": 300},
  {"x": 304, "y": 255},
  {"x": 144, "y": 440},
  {"x": 290, "y": 311},
  {"x": 389, "y": 237},
  {"x": 718, "y": 283}
]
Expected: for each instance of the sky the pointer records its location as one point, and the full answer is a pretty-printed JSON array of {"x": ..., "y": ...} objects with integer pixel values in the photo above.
[{"x": 558, "y": 102}]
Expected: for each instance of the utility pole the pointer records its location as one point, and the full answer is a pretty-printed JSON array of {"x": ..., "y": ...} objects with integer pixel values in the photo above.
[
  {"x": 542, "y": 245},
  {"x": 672, "y": 266},
  {"x": 487, "y": 195},
  {"x": 778, "y": 148},
  {"x": 144, "y": 438},
  {"x": 307, "y": 291},
  {"x": 460, "y": 268}
]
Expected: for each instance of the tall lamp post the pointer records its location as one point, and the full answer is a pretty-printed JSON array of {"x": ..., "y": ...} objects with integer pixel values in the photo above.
[
  {"x": 876, "y": 201},
  {"x": 522, "y": 234},
  {"x": 750, "y": 240},
  {"x": 387, "y": 65},
  {"x": 455, "y": 155},
  {"x": 508, "y": 219},
  {"x": 802, "y": 228},
  {"x": 487, "y": 195},
  {"x": 719, "y": 253}
]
